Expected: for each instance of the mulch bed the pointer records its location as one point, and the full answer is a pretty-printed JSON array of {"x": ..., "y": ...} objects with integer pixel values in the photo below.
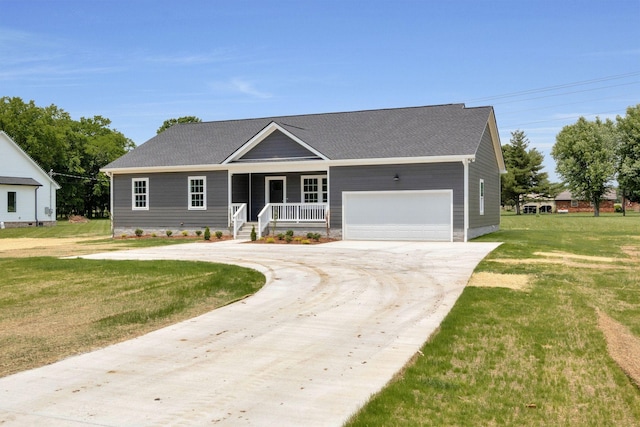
[{"x": 297, "y": 240}]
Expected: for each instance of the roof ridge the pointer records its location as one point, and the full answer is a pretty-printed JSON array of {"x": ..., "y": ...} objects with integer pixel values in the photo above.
[{"x": 274, "y": 118}]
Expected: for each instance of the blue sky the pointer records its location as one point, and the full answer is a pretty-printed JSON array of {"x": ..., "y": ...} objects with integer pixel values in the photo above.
[{"x": 541, "y": 64}]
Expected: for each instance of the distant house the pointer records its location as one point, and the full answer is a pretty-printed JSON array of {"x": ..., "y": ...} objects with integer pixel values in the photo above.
[
  {"x": 27, "y": 193},
  {"x": 566, "y": 203},
  {"x": 424, "y": 173},
  {"x": 538, "y": 204}
]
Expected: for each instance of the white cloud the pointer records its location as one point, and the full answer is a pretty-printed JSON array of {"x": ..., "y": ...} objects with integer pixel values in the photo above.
[
  {"x": 242, "y": 86},
  {"x": 192, "y": 59}
]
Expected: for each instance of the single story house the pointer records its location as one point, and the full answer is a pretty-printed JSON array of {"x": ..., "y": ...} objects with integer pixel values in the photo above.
[
  {"x": 567, "y": 203},
  {"x": 27, "y": 193},
  {"x": 423, "y": 173}
]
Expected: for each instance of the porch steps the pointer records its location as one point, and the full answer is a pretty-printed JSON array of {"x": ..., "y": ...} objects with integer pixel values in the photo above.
[{"x": 245, "y": 232}]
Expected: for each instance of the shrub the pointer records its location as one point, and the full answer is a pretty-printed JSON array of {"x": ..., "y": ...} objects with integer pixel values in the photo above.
[
  {"x": 139, "y": 232},
  {"x": 289, "y": 233},
  {"x": 270, "y": 240},
  {"x": 309, "y": 235},
  {"x": 123, "y": 235},
  {"x": 316, "y": 236},
  {"x": 185, "y": 233},
  {"x": 219, "y": 235},
  {"x": 254, "y": 236},
  {"x": 280, "y": 236},
  {"x": 154, "y": 235},
  {"x": 169, "y": 233},
  {"x": 288, "y": 238},
  {"x": 305, "y": 241},
  {"x": 198, "y": 233},
  {"x": 617, "y": 208},
  {"x": 207, "y": 233}
]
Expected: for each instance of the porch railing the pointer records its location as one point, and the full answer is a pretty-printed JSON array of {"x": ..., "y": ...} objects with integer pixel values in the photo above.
[
  {"x": 291, "y": 212},
  {"x": 238, "y": 214}
]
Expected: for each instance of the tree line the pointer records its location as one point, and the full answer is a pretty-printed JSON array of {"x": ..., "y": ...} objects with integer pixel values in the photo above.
[
  {"x": 591, "y": 156},
  {"x": 73, "y": 151}
]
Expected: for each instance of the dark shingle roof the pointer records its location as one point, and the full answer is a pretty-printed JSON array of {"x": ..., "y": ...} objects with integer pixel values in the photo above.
[
  {"x": 443, "y": 130},
  {"x": 12, "y": 180}
]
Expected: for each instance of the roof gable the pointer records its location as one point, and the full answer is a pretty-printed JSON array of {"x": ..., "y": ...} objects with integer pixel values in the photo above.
[
  {"x": 274, "y": 143},
  {"x": 18, "y": 167}
]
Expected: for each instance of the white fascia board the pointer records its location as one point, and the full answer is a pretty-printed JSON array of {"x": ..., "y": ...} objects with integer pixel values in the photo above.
[
  {"x": 160, "y": 169},
  {"x": 495, "y": 138},
  {"x": 264, "y": 133},
  {"x": 401, "y": 160},
  {"x": 290, "y": 166}
]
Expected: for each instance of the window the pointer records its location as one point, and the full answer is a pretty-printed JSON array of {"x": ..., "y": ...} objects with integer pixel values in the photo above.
[
  {"x": 574, "y": 203},
  {"x": 11, "y": 201},
  {"x": 482, "y": 197},
  {"x": 314, "y": 189},
  {"x": 197, "y": 193},
  {"x": 140, "y": 193}
]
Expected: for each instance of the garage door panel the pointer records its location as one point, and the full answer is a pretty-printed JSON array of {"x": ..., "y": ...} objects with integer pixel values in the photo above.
[{"x": 398, "y": 215}]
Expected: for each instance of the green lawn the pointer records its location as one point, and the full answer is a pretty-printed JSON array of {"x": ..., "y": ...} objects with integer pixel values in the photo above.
[
  {"x": 51, "y": 308},
  {"x": 536, "y": 356},
  {"x": 93, "y": 228}
]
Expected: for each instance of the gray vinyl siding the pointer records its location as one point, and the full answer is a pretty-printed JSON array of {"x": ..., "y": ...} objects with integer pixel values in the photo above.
[
  {"x": 432, "y": 176},
  {"x": 277, "y": 146},
  {"x": 485, "y": 167},
  {"x": 168, "y": 202}
]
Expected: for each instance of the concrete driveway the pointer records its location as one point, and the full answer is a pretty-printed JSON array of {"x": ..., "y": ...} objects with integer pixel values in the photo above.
[{"x": 331, "y": 326}]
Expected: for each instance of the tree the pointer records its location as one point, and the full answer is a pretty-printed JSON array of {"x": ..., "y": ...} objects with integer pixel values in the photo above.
[
  {"x": 170, "y": 122},
  {"x": 74, "y": 150},
  {"x": 524, "y": 176},
  {"x": 628, "y": 128},
  {"x": 585, "y": 155}
]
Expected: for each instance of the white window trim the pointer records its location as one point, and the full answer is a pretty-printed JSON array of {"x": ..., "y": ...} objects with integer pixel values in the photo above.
[
  {"x": 320, "y": 178},
  {"x": 133, "y": 194},
  {"x": 481, "y": 192},
  {"x": 204, "y": 190}
]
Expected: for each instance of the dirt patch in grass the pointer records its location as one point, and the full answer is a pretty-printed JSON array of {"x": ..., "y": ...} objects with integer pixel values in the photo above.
[
  {"x": 631, "y": 251},
  {"x": 568, "y": 259},
  {"x": 25, "y": 247},
  {"x": 570, "y": 256},
  {"x": 622, "y": 345},
  {"x": 518, "y": 282}
]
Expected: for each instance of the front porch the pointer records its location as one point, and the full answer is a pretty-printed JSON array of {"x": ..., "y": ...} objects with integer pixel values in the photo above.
[
  {"x": 288, "y": 200},
  {"x": 280, "y": 216}
]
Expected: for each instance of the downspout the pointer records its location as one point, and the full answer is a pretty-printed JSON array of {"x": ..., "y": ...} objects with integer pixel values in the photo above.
[
  {"x": 465, "y": 164},
  {"x": 110, "y": 175},
  {"x": 36, "y": 212},
  {"x": 229, "y": 198}
]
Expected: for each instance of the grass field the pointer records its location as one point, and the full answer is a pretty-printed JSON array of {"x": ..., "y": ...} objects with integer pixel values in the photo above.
[
  {"x": 51, "y": 308},
  {"x": 536, "y": 354}
]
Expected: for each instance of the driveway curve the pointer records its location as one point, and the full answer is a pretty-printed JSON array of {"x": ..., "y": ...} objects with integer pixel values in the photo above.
[{"x": 332, "y": 325}]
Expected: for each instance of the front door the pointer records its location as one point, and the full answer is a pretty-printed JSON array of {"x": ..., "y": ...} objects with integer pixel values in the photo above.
[{"x": 275, "y": 190}]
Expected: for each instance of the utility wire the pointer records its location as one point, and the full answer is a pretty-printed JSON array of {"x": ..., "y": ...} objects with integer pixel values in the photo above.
[
  {"x": 555, "y": 87},
  {"x": 87, "y": 178}
]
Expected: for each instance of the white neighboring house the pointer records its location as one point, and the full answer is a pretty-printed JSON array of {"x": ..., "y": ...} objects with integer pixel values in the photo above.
[{"x": 27, "y": 192}]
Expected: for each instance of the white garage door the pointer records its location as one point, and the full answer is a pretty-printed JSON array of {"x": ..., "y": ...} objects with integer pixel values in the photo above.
[{"x": 398, "y": 215}]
